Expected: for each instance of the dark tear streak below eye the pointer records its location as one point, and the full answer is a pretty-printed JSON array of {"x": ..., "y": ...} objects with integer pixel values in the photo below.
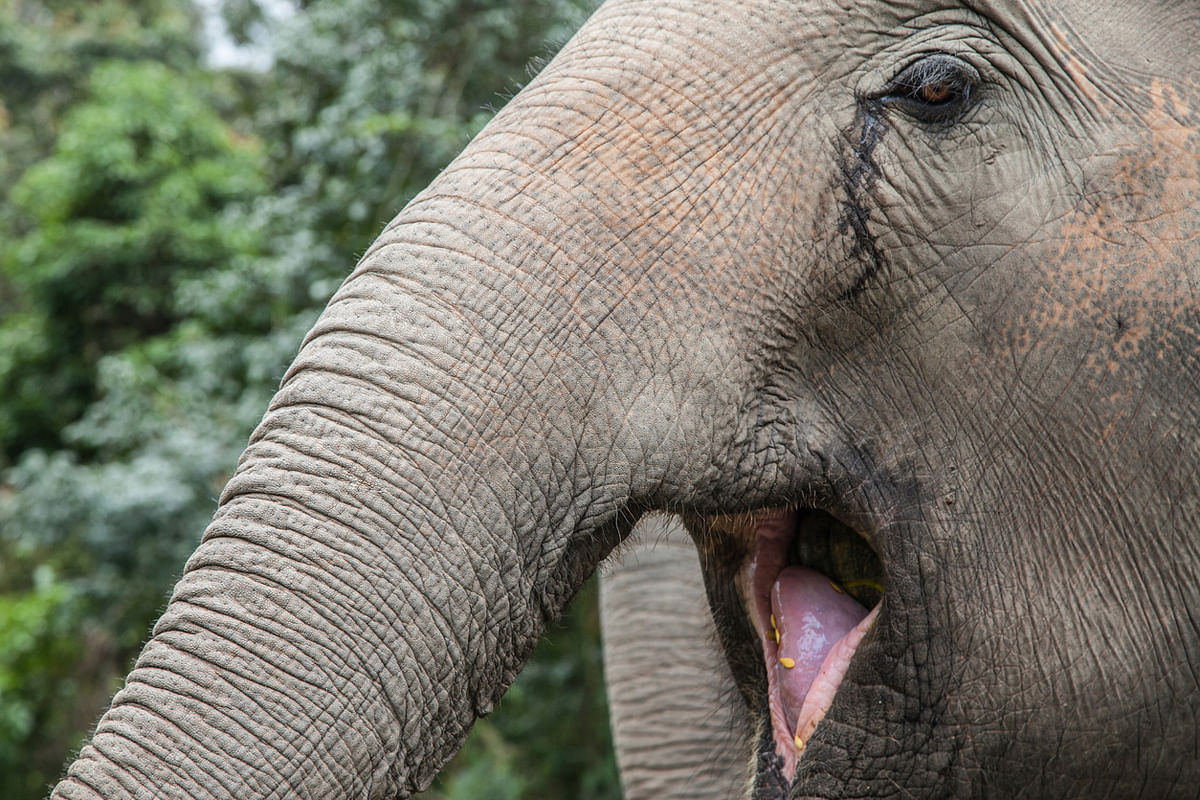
[{"x": 859, "y": 172}]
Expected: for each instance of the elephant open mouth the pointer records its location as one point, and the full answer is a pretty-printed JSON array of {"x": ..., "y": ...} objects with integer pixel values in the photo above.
[{"x": 811, "y": 587}]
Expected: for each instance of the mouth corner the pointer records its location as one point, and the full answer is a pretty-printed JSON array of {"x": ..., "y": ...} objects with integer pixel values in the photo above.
[{"x": 812, "y": 588}]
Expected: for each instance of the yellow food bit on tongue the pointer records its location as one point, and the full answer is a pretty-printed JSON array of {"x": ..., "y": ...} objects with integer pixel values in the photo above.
[
  {"x": 798, "y": 742},
  {"x": 788, "y": 662},
  {"x": 837, "y": 588}
]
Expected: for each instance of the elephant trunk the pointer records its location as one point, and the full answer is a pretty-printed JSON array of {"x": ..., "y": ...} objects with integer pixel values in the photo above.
[
  {"x": 675, "y": 731},
  {"x": 421, "y": 497},
  {"x": 514, "y": 371}
]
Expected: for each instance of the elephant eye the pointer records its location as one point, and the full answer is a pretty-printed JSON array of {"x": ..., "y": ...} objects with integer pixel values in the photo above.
[
  {"x": 936, "y": 88},
  {"x": 937, "y": 93}
]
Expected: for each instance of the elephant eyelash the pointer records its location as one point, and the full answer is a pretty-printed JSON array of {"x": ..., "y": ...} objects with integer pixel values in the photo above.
[{"x": 935, "y": 89}]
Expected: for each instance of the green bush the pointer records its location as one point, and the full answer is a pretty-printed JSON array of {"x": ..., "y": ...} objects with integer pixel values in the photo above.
[{"x": 135, "y": 197}]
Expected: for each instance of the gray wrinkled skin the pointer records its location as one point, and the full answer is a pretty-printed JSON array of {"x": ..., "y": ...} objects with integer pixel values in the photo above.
[
  {"x": 679, "y": 727},
  {"x": 720, "y": 257}
]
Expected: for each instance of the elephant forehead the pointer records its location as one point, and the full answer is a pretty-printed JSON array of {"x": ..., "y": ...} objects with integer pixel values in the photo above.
[
  {"x": 1107, "y": 36},
  {"x": 1154, "y": 37}
]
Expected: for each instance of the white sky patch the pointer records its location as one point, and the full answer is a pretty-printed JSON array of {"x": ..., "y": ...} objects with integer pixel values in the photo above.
[{"x": 224, "y": 53}]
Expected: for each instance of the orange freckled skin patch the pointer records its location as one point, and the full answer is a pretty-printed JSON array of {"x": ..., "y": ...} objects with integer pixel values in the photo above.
[{"x": 1114, "y": 306}]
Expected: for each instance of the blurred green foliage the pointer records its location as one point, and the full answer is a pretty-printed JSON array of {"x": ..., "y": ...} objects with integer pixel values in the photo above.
[
  {"x": 134, "y": 198},
  {"x": 168, "y": 232}
]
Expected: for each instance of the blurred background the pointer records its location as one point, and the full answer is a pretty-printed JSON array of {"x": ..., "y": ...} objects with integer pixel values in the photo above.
[{"x": 182, "y": 187}]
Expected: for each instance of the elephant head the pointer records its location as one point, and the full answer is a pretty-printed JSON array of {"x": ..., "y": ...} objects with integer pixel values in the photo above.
[{"x": 898, "y": 296}]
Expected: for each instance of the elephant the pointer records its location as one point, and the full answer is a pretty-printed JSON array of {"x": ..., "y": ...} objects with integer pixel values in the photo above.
[{"x": 895, "y": 304}]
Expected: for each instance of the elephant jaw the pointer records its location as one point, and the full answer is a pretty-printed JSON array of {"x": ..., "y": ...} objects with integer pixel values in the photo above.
[{"x": 809, "y": 628}]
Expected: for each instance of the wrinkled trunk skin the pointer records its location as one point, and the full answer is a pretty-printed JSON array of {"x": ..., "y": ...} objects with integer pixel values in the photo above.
[
  {"x": 434, "y": 480},
  {"x": 679, "y": 727}
]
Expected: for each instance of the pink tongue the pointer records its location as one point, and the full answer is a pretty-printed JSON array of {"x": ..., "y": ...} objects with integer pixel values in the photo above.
[{"x": 811, "y": 616}]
